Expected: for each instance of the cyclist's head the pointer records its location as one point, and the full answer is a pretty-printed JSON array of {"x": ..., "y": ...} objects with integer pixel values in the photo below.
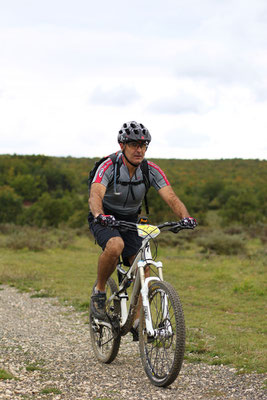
[{"x": 133, "y": 132}]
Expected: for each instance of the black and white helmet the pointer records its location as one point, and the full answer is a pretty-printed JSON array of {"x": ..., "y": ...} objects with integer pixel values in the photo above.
[{"x": 133, "y": 131}]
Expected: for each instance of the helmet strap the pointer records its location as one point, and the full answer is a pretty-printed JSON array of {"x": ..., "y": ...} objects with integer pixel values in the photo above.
[{"x": 134, "y": 165}]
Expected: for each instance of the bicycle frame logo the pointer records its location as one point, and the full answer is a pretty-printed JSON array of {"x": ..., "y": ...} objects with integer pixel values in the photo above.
[{"x": 146, "y": 312}]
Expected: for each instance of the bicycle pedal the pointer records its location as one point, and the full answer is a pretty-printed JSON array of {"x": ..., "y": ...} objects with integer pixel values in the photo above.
[{"x": 95, "y": 327}]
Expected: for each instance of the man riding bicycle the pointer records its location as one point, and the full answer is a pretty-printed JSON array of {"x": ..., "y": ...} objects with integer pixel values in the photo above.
[{"x": 116, "y": 193}]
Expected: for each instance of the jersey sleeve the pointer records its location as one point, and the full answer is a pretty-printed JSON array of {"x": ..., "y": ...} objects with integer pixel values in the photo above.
[
  {"x": 158, "y": 179},
  {"x": 104, "y": 173}
]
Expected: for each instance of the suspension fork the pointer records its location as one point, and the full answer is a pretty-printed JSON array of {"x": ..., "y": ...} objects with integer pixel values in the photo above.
[{"x": 144, "y": 291}]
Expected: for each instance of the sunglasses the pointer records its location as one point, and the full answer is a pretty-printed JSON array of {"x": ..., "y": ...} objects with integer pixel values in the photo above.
[{"x": 135, "y": 145}]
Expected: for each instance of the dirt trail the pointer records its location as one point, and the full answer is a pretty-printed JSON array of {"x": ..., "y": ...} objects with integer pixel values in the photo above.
[{"x": 46, "y": 346}]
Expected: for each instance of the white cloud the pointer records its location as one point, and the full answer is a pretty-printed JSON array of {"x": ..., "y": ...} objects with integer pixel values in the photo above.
[
  {"x": 184, "y": 139},
  {"x": 70, "y": 75},
  {"x": 182, "y": 102},
  {"x": 116, "y": 96}
]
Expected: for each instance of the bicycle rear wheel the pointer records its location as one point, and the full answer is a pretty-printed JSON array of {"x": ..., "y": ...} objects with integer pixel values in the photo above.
[
  {"x": 162, "y": 355},
  {"x": 105, "y": 340}
]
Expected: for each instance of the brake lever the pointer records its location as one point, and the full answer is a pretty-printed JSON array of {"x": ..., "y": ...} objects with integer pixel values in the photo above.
[{"x": 179, "y": 228}]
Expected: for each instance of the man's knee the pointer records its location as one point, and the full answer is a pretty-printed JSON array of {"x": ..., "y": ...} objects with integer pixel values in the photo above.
[{"x": 114, "y": 247}]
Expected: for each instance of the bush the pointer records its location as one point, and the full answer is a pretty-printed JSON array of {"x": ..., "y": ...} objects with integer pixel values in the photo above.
[
  {"x": 32, "y": 216},
  {"x": 36, "y": 239},
  {"x": 47, "y": 211},
  {"x": 58, "y": 178},
  {"x": 168, "y": 239},
  {"x": 29, "y": 187},
  {"x": 259, "y": 231},
  {"x": 243, "y": 208},
  {"x": 234, "y": 230},
  {"x": 78, "y": 219},
  {"x": 222, "y": 244},
  {"x": 210, "y": 192},
  {"x": 6, "y": 229},
  {"x": 10, "y": 204}
]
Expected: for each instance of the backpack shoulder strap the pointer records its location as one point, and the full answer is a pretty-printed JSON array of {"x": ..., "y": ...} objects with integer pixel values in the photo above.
[
  {"x": 113, "y": 157},
  {"x": 116, "y": 160},
  {"x": 145, "y": 171}
]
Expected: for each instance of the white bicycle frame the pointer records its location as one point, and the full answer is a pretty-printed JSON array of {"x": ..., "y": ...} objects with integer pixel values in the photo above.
[{"x": 141, "y": 284}]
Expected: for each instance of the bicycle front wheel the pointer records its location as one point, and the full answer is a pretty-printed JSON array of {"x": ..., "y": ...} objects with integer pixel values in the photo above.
[
  {"x": 162, "y": 355},
  {"x": 105, "y": 341}
]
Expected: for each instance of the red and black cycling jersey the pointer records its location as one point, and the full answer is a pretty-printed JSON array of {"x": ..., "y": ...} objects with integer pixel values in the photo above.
[{"x": 130, "y": 191}]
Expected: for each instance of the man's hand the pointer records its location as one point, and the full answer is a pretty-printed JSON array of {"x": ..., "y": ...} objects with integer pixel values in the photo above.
[
  {"x": 105, "y": 220},
  {"x": 189, "y": 222}
]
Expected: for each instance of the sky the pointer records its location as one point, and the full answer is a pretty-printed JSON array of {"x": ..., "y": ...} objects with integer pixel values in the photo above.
[{"x": 193, "y": 72}]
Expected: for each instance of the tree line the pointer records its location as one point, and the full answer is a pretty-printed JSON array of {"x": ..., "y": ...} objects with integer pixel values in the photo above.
[{"x": 48, "y": 191}]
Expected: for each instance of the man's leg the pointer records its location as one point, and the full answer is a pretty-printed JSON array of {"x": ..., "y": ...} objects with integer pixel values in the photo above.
[
  {"x": 106, "y": 265},
  {"x": 108, "y": 260}
]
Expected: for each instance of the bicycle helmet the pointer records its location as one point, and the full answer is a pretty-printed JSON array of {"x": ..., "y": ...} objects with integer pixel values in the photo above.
[{"x": 133, "y": 131}]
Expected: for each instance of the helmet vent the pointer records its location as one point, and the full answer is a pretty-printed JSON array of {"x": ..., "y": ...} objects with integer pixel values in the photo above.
[{"x": 133, "y": 131}]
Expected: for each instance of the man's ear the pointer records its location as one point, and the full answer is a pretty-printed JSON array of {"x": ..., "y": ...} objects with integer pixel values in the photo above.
[{"x": 122, "y": 146}]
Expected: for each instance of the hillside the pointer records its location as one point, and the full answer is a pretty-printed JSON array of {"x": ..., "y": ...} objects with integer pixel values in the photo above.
[{"x": 45, "y": 190}]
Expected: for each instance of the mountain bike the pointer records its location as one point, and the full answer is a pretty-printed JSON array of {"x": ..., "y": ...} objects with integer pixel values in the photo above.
[{"x": 161, "y": 322}]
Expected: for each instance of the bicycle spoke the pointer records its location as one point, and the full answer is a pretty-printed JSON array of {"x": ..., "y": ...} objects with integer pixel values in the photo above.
[
  {"x": 105, "y": 344},
  {"x": 162, "y": 356}
]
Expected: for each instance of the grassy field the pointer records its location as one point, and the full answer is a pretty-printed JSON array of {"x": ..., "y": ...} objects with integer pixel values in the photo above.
[{"x": 222, "y": 294}]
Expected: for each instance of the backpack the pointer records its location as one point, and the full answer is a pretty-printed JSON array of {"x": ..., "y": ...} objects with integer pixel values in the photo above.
[{"x": 116, "y": 160}]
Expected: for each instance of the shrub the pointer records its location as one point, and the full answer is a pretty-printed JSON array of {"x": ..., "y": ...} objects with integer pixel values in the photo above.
[
  {"x": 210, "y": 192},
  {"x": 50, "y": 211},
  {"x": 234, "y": 230},
  {"x": 10, "y": 204},
  {"x": 222, "y": 244},
  {"x": 29, "y": 187},
  {"x": 170, "y": 239},
  {"x": 36, "y": 239},
  {"x": 32, "y": 216},
  {"x": 258, "y": 230},
  {"x": 6, "y": 229},
  {"x": 243, "y": 208},
  {"x": 78, "y": 219}
]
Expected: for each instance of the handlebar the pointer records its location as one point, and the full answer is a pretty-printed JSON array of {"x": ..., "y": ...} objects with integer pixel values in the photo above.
[{"x": 174, "y": 226}]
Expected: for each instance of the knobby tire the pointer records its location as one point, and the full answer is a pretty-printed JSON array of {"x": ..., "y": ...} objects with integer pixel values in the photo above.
[
  {"x": 162, "y": 356},
  {"x": 105, "y": 343}
]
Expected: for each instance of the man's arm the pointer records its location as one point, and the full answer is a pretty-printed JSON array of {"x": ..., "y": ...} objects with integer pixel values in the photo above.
[
  {"x": 173, "y": 201},
  {"x": 95, "y": 201}
]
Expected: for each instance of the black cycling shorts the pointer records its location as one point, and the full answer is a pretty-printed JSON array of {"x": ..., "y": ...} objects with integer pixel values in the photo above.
[{"x": 102, "y": 234}]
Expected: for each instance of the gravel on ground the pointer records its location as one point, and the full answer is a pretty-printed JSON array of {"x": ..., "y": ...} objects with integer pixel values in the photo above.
[{"x": 46, "y": 347}]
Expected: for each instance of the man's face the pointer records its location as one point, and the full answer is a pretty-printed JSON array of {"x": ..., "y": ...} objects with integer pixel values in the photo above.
[{"x": 134, "y": 151}]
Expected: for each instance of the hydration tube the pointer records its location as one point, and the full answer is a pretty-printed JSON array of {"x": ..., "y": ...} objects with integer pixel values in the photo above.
[{"x": 115, "y": 175}]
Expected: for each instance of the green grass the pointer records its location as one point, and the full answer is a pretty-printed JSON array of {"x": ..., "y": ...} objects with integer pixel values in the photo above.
[
  {"x": 223, "y": 295},
  {"x": 66, "y": 273},
  {"x": 223, "y": 299},
  {"x": 35, "y": 366},
  {"x": 102, "y": 398},
  {"x": 4, "y": 375},
  {"x": 50, "y": 390}
]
